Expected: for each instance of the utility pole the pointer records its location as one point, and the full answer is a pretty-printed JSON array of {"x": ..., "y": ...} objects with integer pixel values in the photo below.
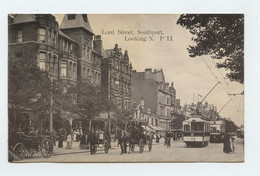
[
  {"x": 109, "y": 101},
  {"x": 51, "y": 107}
]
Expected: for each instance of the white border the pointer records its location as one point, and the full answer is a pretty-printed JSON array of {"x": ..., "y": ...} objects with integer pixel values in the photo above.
[{"x": 252, "y": 114}]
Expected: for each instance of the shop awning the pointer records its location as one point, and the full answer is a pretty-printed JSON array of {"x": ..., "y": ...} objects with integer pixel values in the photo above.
[
  {"x": 147, "y": 128},
  {"x": 156, "y": 128}
]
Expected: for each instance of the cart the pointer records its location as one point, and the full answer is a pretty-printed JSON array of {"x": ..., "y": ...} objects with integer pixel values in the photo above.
[{"x": 27, "y": 145}]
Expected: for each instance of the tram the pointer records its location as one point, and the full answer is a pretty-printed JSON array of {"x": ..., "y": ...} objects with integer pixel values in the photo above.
[
  {"x": 196, "y": 132},
  {"x": 217, "y": 130}
]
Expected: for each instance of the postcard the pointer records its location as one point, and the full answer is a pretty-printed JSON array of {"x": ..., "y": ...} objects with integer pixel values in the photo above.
[{"x": 125, "y": 88}]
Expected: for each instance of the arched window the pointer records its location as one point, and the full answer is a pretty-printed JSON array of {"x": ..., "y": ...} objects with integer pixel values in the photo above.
[
  {"x": 88, "y": 73},
  {"x": 84, "y": 72}
]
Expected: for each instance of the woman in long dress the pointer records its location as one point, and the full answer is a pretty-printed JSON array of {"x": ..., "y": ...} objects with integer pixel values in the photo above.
[{"x": 226, "y": 142}]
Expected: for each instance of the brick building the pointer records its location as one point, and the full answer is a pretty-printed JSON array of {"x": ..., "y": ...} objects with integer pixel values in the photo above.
[
  {"x": 67, "y": 51},
  {"x": 158, "y": 96},
  {"x": 116, "y": 77}
]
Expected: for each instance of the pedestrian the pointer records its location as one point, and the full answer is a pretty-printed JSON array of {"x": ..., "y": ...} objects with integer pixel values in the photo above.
[
  {"x": 74, "y": 135},
  {"x": 157, "y": 138},
  {"x": 226, "y": 143},
  {"x": 61, "y": 138},
  {"x": 69, "y": 141},
  {"x": 83, "y": 142},
  {"x": 92, "y": 142},
  {"x": 54, "y": 136}
]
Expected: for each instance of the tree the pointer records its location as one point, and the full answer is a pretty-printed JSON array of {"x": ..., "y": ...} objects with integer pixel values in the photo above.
[
  {"x": 84, "y": 100},
  {"x": 221, "y": 36},
  {"x": 28, "y": 88}
]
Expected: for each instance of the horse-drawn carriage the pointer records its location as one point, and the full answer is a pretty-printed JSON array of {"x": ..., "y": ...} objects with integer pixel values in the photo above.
[
  {"x": 97, "y": 137},
  {"x": 133, "y": 135},
  {"x": 26, "y": 145}
]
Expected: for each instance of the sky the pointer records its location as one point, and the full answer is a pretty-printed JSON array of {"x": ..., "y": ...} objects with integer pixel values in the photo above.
[{"x": 191, "y": 76}]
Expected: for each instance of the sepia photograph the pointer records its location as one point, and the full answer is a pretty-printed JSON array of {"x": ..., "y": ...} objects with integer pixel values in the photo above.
[{"x": 126, "y": 88}]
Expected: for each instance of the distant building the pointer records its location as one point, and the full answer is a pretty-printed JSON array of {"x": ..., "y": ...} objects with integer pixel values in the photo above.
[
  {"x": 206, "y": 110},
  {"x": 151, "y": 87},
  {"x": 117, "y": 77}
]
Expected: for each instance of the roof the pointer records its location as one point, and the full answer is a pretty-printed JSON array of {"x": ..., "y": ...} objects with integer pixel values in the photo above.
[
  {"x": 23, "y": 18},
  {"x": 80, "y": 21},
  {"x": 64, "y": 35},
  {"x": 197, "y": 119}
]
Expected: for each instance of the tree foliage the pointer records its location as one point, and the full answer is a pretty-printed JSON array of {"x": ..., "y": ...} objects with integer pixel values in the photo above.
[
  {"x": 221, "y": 36},
  {"x": 28, "y": 86},
  {"x": 84, "y": 100}
]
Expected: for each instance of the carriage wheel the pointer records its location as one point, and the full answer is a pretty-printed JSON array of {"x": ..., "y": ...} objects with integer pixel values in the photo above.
[
  {"x": 106, "y": 146},
  {"x": 141, "y": 146},
  {"x": 46, "y": 147},
  {"x": 29, "y": 153},
  {"x": 150, "y": 145},
  {"x": 20, "y": 150}
]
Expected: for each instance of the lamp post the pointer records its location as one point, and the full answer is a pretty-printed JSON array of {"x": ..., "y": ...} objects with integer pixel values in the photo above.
[{"x": 110, "y": 101}]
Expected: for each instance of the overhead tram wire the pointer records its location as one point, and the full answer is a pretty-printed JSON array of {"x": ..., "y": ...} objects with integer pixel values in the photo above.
[
  {"x": 215, "y": 77},
  {"x": 229, "y": 90},
  {"x": 237, "y": 107}
]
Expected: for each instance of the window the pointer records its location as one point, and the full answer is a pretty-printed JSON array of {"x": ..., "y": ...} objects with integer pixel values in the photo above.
[
  {"x": 42, "y": 60},
  {"x": 70, "y": 70},
  {"x": 55, "y": 64},
  {"x": 42, "y": 65},
  {"x": 54, "y": 43},
  {"x": 85, "y": 18},
  {"x": 71, "y": 16},
  {"x": 63, "y": 45},
  {"x": 50, "y": 37},
  {"x": 74, "y": 71},
  {"x": 96, "y": 77},
  {"x": 84, "y": 72},
  {"x": 41, "y": 35},
  {"x": 92, "y": 80},
  {"x": 88, "y": 73},
  {"x": 19, "y": 37},
  {"x": 186, "y": 127},
  {"x": 64, "y": 68}
]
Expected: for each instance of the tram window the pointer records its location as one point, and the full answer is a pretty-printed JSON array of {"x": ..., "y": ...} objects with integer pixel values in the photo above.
[
  {"x": 186, "y": 127},
  {"x": 197, "y": 126}
]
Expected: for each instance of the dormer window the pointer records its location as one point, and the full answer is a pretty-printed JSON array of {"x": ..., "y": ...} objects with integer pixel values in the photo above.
[
  {"x": 71, "y": 16},
  {"x": 85, "y": 18}
]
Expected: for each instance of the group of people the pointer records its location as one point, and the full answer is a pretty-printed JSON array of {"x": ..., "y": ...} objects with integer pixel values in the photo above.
[{"x": 95, "y": 137}]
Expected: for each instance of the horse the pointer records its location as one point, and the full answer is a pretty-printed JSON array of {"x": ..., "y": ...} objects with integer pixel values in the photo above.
[{"x": 123, "y": 139}]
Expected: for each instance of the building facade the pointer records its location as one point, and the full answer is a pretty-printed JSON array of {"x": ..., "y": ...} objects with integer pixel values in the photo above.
[
  {"x": 117, "y": 77},
  {"x": 66, "y": 52},
  {"x": 151, "y": 87}
]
